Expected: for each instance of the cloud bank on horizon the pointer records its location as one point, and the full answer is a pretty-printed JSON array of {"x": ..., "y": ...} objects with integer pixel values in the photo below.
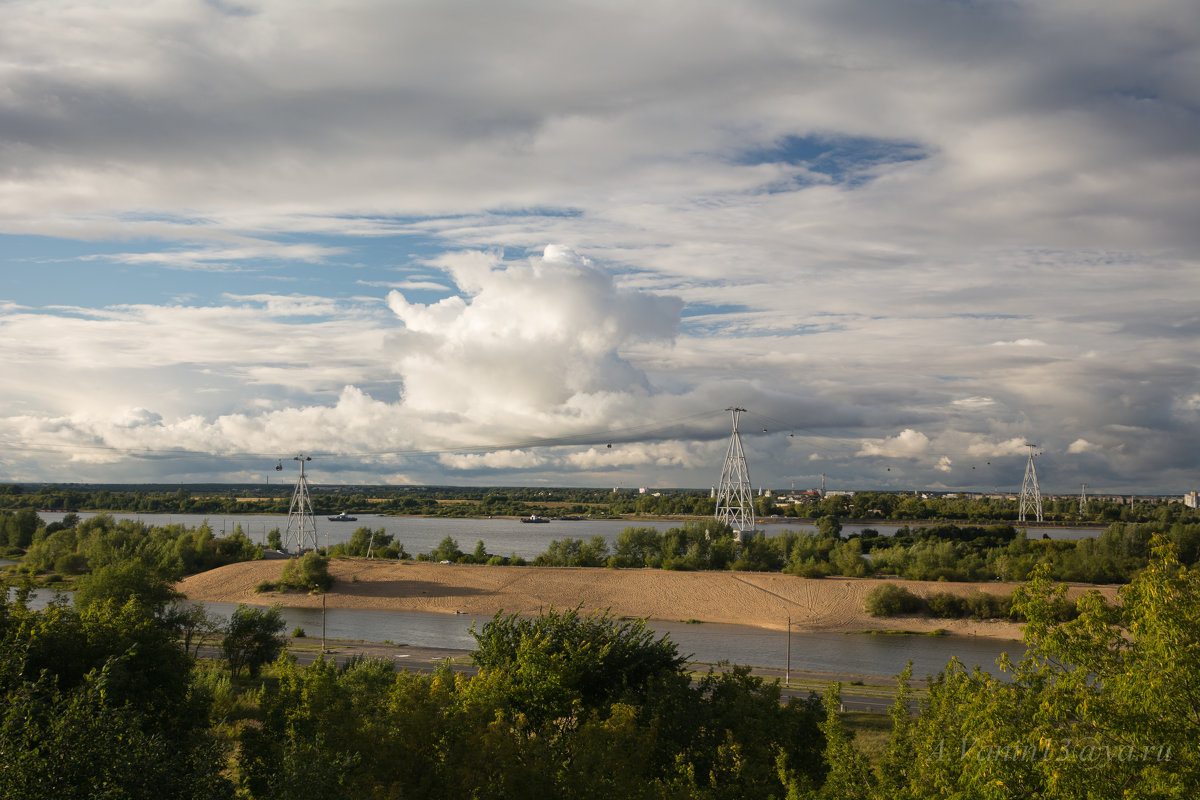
[{"x": 481, "y": 243}]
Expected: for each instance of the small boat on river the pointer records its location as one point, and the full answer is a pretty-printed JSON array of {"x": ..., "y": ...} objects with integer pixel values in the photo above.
[
  {"x": 535, "y": 518},
  {"x": 342, "y": 517}
]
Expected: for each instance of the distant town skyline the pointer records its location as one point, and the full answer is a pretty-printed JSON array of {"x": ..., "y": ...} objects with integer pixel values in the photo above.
[{"x": 542, "y": 243}]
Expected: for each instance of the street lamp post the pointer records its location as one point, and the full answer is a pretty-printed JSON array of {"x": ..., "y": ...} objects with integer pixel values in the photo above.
[{"x": 787, "y": 675}]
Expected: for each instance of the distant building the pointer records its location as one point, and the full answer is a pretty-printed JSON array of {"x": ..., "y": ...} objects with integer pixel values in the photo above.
[{"x": 1192, "y": 499}]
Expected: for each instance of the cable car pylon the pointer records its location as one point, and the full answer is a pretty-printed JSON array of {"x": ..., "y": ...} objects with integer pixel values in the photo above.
[
  {"x": 735, "y": 498},
  {"x": 301, "y": 524}
]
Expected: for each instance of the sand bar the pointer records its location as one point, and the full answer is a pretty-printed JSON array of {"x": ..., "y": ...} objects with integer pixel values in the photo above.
[{"x": 764, "y": 600}]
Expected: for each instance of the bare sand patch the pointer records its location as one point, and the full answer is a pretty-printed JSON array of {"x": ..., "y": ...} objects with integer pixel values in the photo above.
[{"x": 763, "y": 600}]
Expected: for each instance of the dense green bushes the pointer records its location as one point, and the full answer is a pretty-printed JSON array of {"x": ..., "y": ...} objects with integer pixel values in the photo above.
[
  {"x": 309, "y": 572},
  {"x": 365, "y": 541},
  {"x": 939, "y": 552},
  {"x": 171, "y": 551},
  {"x": 890, "y": 600},
  {"x": 1102, "y": 706},
  {"x": 691, "y": 546},
  {"x": 564, "y": 706},
  {"x": 98, "y": 702}
]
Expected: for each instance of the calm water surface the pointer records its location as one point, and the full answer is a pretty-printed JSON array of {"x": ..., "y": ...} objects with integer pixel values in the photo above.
[
  {"x": 708, "y": 642},
  {"x": 505, "y": 537}
]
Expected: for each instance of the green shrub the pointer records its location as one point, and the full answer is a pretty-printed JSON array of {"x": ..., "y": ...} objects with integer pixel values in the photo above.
[
  {"x": 982, "y": 605},
  {"x": 890, "y": 600},
  {"x": 946, "y": 605},
  {"x": 309, "y": 572},
  {"x": 298, "y": 633},
  {"x": 264, "y": 586},
  {"x": 71, "y": 564}
]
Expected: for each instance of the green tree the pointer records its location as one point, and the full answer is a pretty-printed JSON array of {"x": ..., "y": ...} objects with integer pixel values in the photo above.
[
  {"x": 253, "y": 638},
  {"x": 829, "y": 526},
  {"x": 124, "y": 580},
  {"x": 309, "y": 572},
  {"x": 98, "y": 702},
  {"x": 1103, "y": 705},
  {"x": 447, "y": 550},
  {"x": 561, "y": 658}
]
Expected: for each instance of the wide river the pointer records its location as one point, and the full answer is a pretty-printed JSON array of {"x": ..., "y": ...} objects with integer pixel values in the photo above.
[
  {"x": 500, "y": 536},
  {"x": 708, "y": 642}
]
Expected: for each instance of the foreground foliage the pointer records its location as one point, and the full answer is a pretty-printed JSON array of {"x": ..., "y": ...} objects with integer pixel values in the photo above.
[
  {"x": 565, "y": 705},
  {"x": 99, "y": 703},
  {"x": 104, "y": 700},
  {"x": 1105, "y": 705}
]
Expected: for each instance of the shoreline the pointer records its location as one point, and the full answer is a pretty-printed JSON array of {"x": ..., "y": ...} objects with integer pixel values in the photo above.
[{"x": 758, "y": 599}]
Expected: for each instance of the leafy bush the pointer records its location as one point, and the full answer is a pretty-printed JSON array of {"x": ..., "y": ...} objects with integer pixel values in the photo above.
[
  {"x": 890, "y": 600},
  {"x": 982, "y": 605},
  {"x": 563, "y": 655},
  {"x": 946, "y": 605},
  {"x": 253, "y": 638},
  {"x": 308, "y": 572}
]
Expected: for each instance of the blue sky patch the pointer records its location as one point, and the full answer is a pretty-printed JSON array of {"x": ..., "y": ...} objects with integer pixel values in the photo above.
[{"x": 844, "y": 159}]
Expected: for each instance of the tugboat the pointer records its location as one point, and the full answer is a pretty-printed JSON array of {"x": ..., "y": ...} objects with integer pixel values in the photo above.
[
  {"x": 534, "y": 518},
  {"x": 342, "y": 517}
]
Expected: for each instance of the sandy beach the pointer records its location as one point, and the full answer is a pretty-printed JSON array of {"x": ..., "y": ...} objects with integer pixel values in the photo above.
[{"x": 764, "y": 600}]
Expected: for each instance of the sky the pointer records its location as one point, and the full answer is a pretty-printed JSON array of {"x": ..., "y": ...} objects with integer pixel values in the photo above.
[{"x": 550, "y": 243}]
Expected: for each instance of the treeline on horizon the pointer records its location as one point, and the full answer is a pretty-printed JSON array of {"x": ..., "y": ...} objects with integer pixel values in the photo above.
[{"x": 597, "y": 503}]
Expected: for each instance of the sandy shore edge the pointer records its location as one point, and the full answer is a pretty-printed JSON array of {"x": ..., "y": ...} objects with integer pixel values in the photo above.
[{"x": 764, "y": 600}]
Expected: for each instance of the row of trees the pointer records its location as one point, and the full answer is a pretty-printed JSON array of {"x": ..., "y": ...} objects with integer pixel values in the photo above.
[
  {"x": 515, "y": 501},
  {"x": 942, "y": 552},
  {"x": 74, "y": 547}
]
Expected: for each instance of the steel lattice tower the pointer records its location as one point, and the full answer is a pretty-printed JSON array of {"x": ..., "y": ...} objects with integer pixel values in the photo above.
[
  {"x": 301, "y": 525},
  {"x": 735, "y": 499},
  {"x": 1031, "y": 493},
  {"x": 1083, "y": 500}
]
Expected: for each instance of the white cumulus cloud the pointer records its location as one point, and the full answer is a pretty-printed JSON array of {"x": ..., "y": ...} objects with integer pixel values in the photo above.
[
  {"x": 526, "y": 338},
  {"x": 907, "y": 444}
]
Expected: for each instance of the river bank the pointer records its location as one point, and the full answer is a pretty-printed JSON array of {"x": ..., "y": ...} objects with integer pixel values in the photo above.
[{"x": 764, "y": 600}]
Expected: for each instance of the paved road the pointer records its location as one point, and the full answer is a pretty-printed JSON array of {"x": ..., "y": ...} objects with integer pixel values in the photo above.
[{"x": 427, "y": 659}]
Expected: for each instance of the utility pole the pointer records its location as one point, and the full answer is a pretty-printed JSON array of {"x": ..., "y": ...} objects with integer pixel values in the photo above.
[
  {"x": 735, "y": 497},
  {"x": 787, "y": 675},
  {"x": 301, "y": 524},
  {"x": 1031, "y": 493}
]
